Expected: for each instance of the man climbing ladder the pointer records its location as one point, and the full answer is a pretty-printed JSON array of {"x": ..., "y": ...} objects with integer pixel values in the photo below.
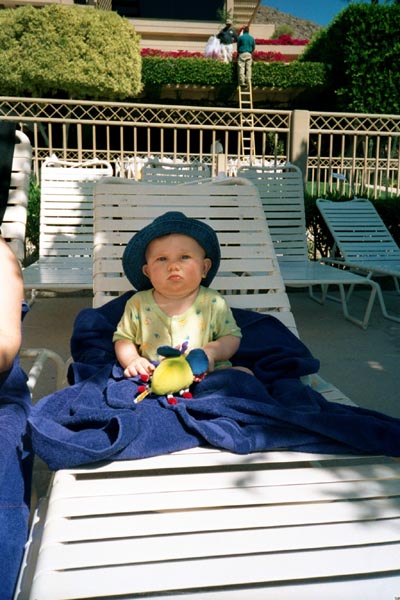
[{"x": 245, "y": 48}]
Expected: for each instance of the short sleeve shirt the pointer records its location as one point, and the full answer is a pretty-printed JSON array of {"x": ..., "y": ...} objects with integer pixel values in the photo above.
[{"x": 148, "y": 327}]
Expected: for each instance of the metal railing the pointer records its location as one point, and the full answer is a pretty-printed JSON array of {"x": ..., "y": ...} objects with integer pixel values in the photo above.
[{"x": 364, "y": 148}]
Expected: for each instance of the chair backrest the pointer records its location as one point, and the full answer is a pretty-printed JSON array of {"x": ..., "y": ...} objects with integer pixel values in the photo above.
[
  {"x": 282, "y": 195},
  {"x": 66, "y": 206},
  {"x": 249, "y": 275},
  {"x": 358, "y": 231},
  {"x": 14, "y": 222},
  {"x": 168, "y": 172}
]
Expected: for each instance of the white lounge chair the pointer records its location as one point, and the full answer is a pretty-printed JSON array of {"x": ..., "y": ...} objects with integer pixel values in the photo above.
[
  {"x": 13, "y": 227},
  {"x": 66, "y": 226},
  {"x": 206, "y": 524},
  {"x": 173, "y": 172},
  {"x": 282, "y": 195},
  {"x": 362, "y": 242}
]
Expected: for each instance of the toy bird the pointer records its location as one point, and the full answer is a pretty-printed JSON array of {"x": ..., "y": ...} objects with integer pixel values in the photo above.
[{"x": 175, "y": 373}]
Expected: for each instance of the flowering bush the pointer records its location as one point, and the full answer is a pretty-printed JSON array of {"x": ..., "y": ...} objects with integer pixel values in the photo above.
[
  {"x": 283, "y": 40},
  {"x": 146, "y": 52},
  {"x": 268, "y": 56},
  {"x": 257, "y": 55}
]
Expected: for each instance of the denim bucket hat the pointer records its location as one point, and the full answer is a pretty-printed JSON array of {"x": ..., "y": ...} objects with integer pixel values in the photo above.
[{"x": 134, "y": 256}]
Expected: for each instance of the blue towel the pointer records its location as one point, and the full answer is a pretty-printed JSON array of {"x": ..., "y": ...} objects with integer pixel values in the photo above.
[
  {"x": 96, "y": 418},
  {"x": 15, "y": 475}
]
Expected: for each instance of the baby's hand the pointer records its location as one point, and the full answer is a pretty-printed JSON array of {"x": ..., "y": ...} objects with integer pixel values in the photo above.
[{"x": 139, "y": 366}]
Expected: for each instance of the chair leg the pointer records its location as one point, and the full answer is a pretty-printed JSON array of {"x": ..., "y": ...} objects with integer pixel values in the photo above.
[
  {"x": 384, "y": 309},
  {"x": 41, "y": 356},
  {"x": 396, "y": 284},
  {"x": 344, "y": 300},
  {"x": 32, "y": 298},
  {"x": 375, "y": 289},
  {"x": 324, "y": 293}
]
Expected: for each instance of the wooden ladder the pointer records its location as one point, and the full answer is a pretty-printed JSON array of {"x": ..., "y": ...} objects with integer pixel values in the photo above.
[{"x": 247, "y": 146}]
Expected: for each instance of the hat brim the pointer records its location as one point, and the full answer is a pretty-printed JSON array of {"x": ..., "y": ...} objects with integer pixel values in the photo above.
[{"x": 134, "y": 256}]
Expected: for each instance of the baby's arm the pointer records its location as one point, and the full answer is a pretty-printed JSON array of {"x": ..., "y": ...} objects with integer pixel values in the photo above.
[
  {"x": 222, "y": 349},
  {"x": 130, "y": 359}
]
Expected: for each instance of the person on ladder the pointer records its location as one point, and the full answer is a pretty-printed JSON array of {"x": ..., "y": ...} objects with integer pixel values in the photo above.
[{"x": 245, "y": 47}]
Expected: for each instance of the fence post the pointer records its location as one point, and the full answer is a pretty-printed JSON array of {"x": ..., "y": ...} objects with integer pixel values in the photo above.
[{"x": 299, "y": 139}]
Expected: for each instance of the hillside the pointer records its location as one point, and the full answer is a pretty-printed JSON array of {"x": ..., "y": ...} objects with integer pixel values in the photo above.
[{"x": 302, "y": 29}]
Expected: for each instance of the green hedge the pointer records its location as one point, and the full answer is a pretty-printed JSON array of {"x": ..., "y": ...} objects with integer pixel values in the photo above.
[
  {"x": 362, "y": 50},
  {"x": 68, "y": 51},
  {"x": 158, "y": 71}
]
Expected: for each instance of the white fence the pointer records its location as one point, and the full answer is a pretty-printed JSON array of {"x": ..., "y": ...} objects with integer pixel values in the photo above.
[{"x": 364, "y": 148}]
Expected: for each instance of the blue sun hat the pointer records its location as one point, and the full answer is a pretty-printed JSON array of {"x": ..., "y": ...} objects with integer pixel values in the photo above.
[{"x": 134, "y": 256}]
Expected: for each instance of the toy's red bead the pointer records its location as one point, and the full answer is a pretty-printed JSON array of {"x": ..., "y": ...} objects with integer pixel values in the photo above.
[
  {"x": 141, "y": 388},
  {"x": 187, "y": 395},
  {"x": 144, "y": 377},
  {"x": 172, "y": 401}
]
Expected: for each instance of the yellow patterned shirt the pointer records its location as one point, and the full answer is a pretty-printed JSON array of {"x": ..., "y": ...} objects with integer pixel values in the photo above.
[{"x": 148, "y": 327}]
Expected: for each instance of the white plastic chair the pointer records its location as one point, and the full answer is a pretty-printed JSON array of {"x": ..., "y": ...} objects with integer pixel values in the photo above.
[
  {"x": 66, "y": 226},
  {"x": 282, "y": 195},
  {"x": 13, "y": 227},
  {"x": 363, "y": 242},
  {"x": 163, "y": 172}
]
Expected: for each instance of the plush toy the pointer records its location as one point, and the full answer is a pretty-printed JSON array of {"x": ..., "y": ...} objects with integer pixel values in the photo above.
[{"x": 175, "y": 373}]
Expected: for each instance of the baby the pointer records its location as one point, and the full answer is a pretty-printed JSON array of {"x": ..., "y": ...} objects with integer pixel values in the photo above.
[{"x": 171, "y": 262}]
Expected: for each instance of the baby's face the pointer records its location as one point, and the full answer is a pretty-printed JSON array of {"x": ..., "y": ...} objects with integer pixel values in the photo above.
[{"x": 176, "y": 264}]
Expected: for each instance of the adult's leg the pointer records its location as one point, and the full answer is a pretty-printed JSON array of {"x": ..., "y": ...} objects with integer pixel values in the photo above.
[
  {"x": 224, "y": 52},
  {"x": 249, "y": 62},
  {"x": 242, "y": 69}
]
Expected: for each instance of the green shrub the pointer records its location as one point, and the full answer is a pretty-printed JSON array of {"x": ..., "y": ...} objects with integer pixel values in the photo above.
[
  {"x": 33, "y": 220},
  {"x": 282, "y": 30},
  {"x": 68, "y": 51},
  {"x": 186, "y": 71},
  {"x": 159, "y": 71},
  {"x": 361, "y": 48}
]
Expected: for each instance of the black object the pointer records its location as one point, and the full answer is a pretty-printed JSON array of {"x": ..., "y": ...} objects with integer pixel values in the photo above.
[{"x": 7, "y": 143}]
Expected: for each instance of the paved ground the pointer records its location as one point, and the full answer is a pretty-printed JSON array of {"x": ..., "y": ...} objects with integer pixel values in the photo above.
[{"x": 364, "y": 364}]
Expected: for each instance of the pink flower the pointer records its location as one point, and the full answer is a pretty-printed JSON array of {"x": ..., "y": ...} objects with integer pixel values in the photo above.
[{"x": 283, "y": 40}]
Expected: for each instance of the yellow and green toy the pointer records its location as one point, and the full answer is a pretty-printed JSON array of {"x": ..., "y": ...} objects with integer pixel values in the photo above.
[{"x": 175, "y": 373}]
